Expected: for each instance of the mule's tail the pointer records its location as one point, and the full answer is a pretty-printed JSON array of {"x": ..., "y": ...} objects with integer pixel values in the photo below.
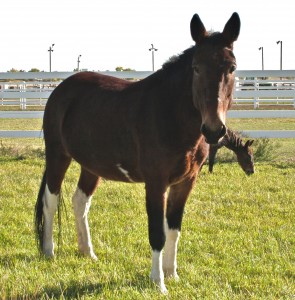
[{"x": 39, "y": 219}]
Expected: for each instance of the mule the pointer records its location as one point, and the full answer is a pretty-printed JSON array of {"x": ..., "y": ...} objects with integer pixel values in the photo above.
[
  {"x": 243, "y": 151},
  {"x": 152, "y": 131}
]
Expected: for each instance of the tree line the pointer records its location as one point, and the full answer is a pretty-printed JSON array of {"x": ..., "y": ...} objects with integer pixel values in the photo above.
[{"x": 118, "y": 69}]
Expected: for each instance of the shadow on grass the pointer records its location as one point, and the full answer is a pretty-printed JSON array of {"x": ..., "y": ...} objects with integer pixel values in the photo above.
[
  {"x": 10, "y": 260},
  {"x": 284, "y": 165},
  {"x": 78, "y": 290},
  {"x": 73, "y": 290}
]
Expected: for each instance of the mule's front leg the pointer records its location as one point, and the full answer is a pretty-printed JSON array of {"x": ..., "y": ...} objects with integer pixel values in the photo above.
[
  {"x": 155, "y": 203},
  {"x": 178, "y": 195},
  {"x": 81, "y": 204},
  {"x": 170, "y": 252}
]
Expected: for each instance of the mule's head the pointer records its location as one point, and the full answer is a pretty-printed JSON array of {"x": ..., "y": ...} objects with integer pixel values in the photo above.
[
  {"x": 213, "y": 75},
  {"x": 246, "y": 158}
]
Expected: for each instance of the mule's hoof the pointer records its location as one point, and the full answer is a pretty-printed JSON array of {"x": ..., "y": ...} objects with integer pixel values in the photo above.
[
  {"x": 171, "y": 273},
  {"x": 93, "y": 256},
  {"x": 88, "y": 253},
  {"x": 160, "y": 284},
  {"x": 163, "y": 290},
  {"x": 49, "y": 254}
]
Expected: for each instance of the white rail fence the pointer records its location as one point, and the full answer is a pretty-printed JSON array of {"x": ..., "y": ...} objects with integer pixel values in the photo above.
[
  {"x": 265, "y": 87},
  {"x": 252, "y": 87}
]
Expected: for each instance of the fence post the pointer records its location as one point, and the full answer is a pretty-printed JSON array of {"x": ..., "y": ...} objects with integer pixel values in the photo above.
[
  {"x": 256, "y": 102},
  {"x": 1, "y": 87},
  {"x": 23, "y": 101}
]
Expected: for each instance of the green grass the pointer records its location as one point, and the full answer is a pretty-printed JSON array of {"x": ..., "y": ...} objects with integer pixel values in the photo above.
[
  {"x": 237, "y": 242},
  {"x": 20, "y": 124},
  {"x": 262, "y": 124}
]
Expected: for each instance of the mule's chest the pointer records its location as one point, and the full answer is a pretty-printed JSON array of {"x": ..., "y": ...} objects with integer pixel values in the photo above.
[
  {"x": 184, "y": 166},
  {"x": 190, "y": 162}
]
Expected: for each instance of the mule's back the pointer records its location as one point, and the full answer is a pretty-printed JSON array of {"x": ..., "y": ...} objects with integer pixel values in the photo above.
[{"x": 82, "y": 92}]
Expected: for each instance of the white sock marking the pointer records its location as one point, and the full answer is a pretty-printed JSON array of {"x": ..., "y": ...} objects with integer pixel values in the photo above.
[
  {"x": 157, "y": 275},
  {"x": 50, "y": 202},
  {"x": 125, "y": 172},
  {"x": 81, "y": 203},
  {"x": 170, "y": 252}
]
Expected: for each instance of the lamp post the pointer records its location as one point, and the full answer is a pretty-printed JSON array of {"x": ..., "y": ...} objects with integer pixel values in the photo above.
[
  {"x": 153, "y": 49},
  {"x": 281, "y": 56},
  {"x": 50, "y": 50},
  {"x": 262, "y": 59},
  {"x": 78, "y": 62}
]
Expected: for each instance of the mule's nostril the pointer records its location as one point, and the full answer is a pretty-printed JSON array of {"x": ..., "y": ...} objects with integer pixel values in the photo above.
[
  {"x": 203, "y": 129},
  {"x": 223, "y": 131},
  {"x": 213, "y": 136}
]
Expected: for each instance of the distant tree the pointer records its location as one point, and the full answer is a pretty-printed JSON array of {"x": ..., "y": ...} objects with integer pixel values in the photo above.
[
  {"x": 13, "y": 70},
  {"x": 120, "y": 69},
  {"x": 128, "y": 69},
  {"x": 34, "y": 70}
]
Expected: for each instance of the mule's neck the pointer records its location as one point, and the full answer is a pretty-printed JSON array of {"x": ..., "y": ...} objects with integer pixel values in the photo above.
[
  {"x": 168, "y": 92},
  {"x": 232, "y": 141},
  {"x": 177, "y": 76},
  {"x": 175, "y": 79}
]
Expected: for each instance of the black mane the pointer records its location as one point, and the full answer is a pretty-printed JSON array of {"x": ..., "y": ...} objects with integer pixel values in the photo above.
[
  {"x": 232, "y": 140},
  {"x": 180, "y": 58}
]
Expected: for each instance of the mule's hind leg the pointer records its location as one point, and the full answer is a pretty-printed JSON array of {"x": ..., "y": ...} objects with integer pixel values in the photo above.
[
  {"x": 81, "y": 203},
  {"x": 56, "y": 167},
  {"x": 177, "y": 197}
]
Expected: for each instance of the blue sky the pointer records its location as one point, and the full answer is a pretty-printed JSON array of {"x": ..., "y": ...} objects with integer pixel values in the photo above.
[{"x": 119, "y": 33}]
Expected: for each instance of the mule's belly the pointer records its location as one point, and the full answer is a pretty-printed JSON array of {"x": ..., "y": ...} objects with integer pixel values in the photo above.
[
  {"x": 106, "y": 151},
  {"x": 111, "y": 170}
]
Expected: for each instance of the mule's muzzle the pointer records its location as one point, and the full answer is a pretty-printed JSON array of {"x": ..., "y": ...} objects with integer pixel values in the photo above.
[
  {"x": 213, "y": 136},
  {"x": 249, "y": 172}
]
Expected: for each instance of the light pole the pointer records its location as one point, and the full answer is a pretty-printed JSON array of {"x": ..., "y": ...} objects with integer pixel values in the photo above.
[
  {"x": 153, "y": 49},
  {"x": 78, "y": 62},
  {"x": 281, "y": 56},
  {"x": 50, "y": 50},
  {"x": 262, "y": 59}
]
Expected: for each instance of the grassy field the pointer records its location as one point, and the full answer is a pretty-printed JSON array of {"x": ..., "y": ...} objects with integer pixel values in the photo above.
[
  {"x": 238, "y": 238},
  {"x": 237, "y": 242}
]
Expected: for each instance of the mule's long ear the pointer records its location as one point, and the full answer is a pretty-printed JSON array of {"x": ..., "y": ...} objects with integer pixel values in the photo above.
[
  {"x": 231, "y": 29},
  {"x": 249, "y": 143},
  {"x": 198, "y": 30}
]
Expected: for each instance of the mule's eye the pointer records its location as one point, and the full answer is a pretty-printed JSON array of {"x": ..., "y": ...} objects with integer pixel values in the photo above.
[
  {"x": 232, "y": 69},
  {"x": 196, "y": 70}
]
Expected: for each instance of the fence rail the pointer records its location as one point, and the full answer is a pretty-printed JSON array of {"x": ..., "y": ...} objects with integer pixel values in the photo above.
[
  {"x": 251, "y": 87},
  {"x": 265, "y": 87}
]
